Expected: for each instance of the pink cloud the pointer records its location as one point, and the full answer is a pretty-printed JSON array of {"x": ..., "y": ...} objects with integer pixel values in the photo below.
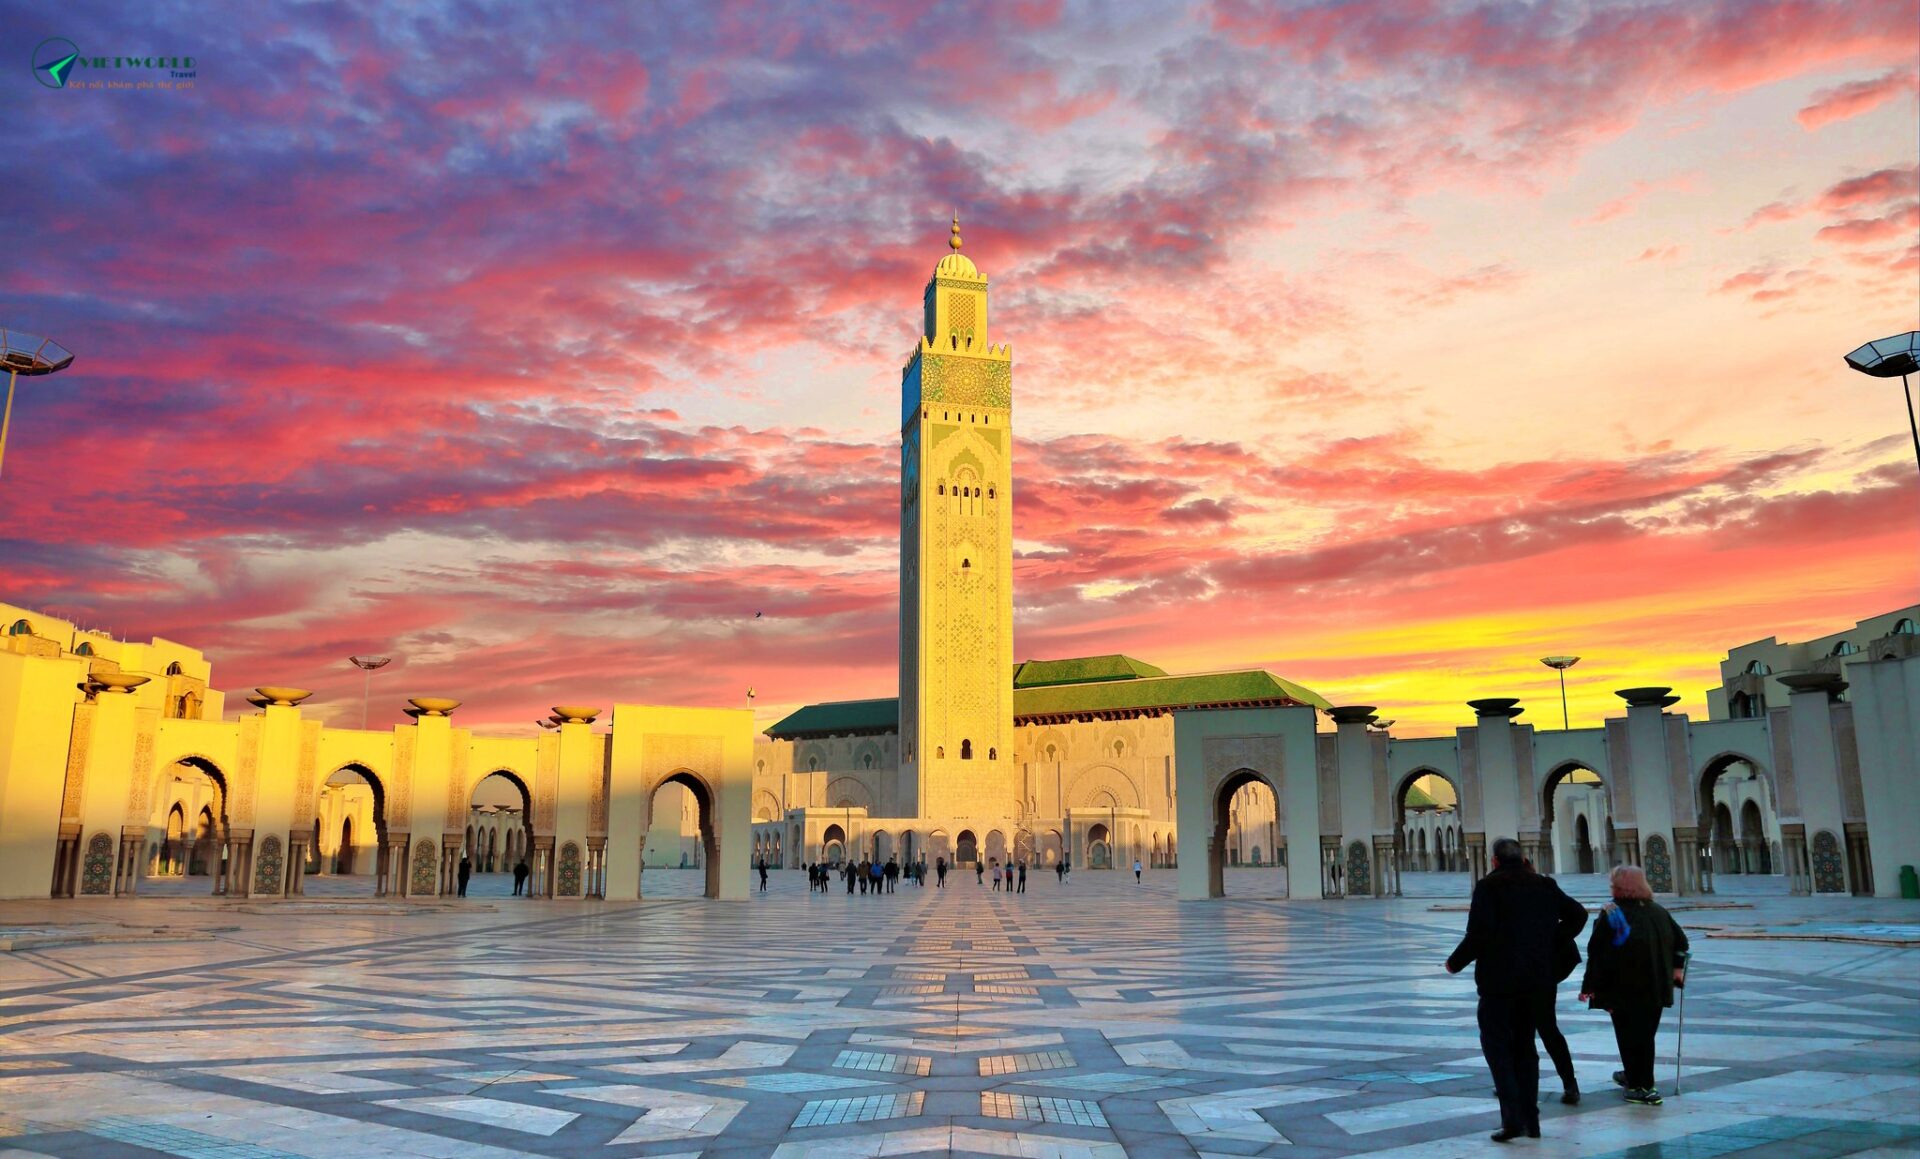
[{"x": 1842, "y": 102}]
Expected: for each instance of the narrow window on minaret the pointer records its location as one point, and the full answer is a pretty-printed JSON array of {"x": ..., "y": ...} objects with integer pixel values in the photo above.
[{"x": 966, "y": 750}]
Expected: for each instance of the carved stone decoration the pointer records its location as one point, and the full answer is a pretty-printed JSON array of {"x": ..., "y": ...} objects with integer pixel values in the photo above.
[
  {"x": 246, "y": 779},
  {"x": 546, "y": 785},
  {"x": 1524, "y": 768},
  {"x": 1829, "y": 868},
  {"x": 426, "y": 868},
  {"x": 96, "y": 872},
  {"x": 1786, "y": 784},
  {"x": 400, "y": 792},
  {"x": 1089, "y": 783},
  {"x": 1223, "y": 756},
  {"x": 569, "y": 870},
  {"x": 140, "y": 785},
  {"x": 82, "y": 739},
  {"x": 1853, "y": 800},
  {"x": 303, "y": 793},
  {"x": 1619, "y": 783},
  {"x": 1359, "y": 870},
  {"x": 1659, "y": 864},
  {"x": 597, "y": 803},
  {"x": 459, "y": 792},
  {"x": 268, "y": 864}
]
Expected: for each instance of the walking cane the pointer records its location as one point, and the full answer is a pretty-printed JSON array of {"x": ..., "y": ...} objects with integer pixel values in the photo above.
[{"x": 1680, "y": 1046}]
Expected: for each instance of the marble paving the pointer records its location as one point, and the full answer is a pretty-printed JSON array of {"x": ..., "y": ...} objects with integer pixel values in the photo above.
[{"x": 1098, "y": 1018}]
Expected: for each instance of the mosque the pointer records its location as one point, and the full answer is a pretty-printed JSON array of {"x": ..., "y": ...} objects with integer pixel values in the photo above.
[{"x": 119, "y": 764}]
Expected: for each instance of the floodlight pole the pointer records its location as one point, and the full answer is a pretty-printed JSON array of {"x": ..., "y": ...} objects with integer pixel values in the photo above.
[
  {"x": 1561, "y": 664},
  {"x": 7, "y": 422},
  {"x": 1914, "y": 427},
  {"x": 367, "y": 664}
]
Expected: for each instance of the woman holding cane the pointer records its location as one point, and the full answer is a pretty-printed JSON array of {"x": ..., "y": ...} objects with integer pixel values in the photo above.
[{"x": 1635, "y": 959}]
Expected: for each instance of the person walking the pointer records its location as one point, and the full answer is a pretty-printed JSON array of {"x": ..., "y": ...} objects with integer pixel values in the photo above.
[
  {"x": 1514, "y": 928},
  {"x": 763, "y": 875},
  {"x": 893, "y": 873},
  {"x": 520, "y": 872},
  {"x": 979, "y": 871},
  {"x": 1635, "y": 959},
  {"x": 877, "y": 875},
  {"x": 1060, "y": 871},
  {"x": 466, "y": 871},
  {"x": 1136, "y": 871},
  {"x": 940, "y": 872},
  {"x": 1023, "y": 878},
  {"x": 849, "y": 874}
]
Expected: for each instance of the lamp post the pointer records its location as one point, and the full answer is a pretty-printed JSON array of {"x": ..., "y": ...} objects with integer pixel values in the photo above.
[
  {"x": 1561, "y": 664},
  {"x": 31, "y": 356},
  {"x": 367, "y": 664},
  {"x": 1897, "y": 356}
]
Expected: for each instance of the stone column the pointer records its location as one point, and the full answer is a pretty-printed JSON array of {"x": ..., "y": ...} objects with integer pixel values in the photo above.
[
  {"x": 1477, "y": 856},
  {"x": 1793, "y": 851}
]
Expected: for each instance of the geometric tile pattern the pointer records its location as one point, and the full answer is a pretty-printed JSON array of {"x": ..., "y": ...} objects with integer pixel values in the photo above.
[{"x": 1098, "y": 1019}]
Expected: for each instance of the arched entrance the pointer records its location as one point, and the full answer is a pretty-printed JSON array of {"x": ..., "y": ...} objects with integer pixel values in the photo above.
[
  {"x": 1574, "y": 804},
  {"x": 1729, "y": 783},
  {"x": 1755, "y": 847},
  {"x": 357, "y": 857},
  {"x": 966, "y": 848},
  {"x": 499, "y": 809},
  {"x": 833, "y": 845},
  {"x": 1426, "y": 817},
  {"x": 1250, "y": 816},
  {"x": 188, "y": 829},
  {"x": 704, "y": 811},
  {"x": 1099, "y": 847}
]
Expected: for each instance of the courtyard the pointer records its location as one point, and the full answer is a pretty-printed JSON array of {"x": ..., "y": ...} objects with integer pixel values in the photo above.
[{"x": 1094, "y": 1018}]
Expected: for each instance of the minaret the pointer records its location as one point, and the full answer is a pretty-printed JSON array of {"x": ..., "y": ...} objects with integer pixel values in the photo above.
[{"x": 956, "y": 556}]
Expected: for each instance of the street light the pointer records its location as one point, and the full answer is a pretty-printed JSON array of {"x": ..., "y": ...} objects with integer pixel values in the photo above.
[
  {"x": 1561, "y": 664},
  {"x": 367, "y": 664},
  {"x": 1898, "y": 355},
  {"x": 31, "y": 356}
]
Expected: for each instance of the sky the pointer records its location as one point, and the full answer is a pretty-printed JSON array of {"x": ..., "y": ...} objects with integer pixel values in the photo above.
[{"x": 1389, "y": 345}]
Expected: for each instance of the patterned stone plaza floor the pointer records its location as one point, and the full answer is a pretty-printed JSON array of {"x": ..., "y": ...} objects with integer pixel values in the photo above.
[{"x": 1101, "y": 1018}]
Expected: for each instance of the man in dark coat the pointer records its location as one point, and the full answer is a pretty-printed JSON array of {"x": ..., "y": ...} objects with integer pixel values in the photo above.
[
  {"x": 520, "y": 872},
  {"x": 1515, "y": 929}
]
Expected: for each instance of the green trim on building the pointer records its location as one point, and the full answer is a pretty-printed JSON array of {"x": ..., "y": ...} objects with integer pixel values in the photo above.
[{"x": 1102, "y": 693}]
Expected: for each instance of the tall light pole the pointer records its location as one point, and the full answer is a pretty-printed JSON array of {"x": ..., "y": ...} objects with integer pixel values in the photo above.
[
  {"x": 1561, "y": 664},
  {"x": 367, "y": 664},
  {"x": 31, "y": 356},
  {"x": 1897, "y": 356}
]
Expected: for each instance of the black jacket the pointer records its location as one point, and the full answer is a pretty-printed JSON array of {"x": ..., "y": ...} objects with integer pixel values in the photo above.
[
  {"x": 1516, "y": 929},
  {"x": 1637, "y": 973}
]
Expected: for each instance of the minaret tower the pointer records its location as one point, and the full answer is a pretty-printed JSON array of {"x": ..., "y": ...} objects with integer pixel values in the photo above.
[{"x": 956, "y": 556}]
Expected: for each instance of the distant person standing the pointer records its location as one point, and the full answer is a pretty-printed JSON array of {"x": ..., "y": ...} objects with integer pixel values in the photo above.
[
  {"x": 466, "y": 871},
  {"x": 1136, "y": 871},
  {"x": 1514, "y": 929},
  {"x": 1060, "y": 871},
  {"x": 1023, "y": 877},
  {"x": 939, "y": 873},
  {"x": 520, "y": 872},
  {"x": 979, "y": 872},
  {"x": 1635, "y": 959},
  {"x": 893, "y": 873},
  {"x": 849, "y": 873},
  {"x": 763, "y": 875}
]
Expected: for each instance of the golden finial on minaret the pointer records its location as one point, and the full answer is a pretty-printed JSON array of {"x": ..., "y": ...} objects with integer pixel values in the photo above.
[{"x": 954, "y": 241}]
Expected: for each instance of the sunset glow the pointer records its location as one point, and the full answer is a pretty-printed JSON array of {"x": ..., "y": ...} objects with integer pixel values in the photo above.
[{"x": 1388, "y": 345}]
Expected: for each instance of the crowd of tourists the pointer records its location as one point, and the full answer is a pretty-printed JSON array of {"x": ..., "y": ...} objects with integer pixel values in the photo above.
[
  {"x": 872, "y": 876},
  {"x": 1521, "y": 942}
]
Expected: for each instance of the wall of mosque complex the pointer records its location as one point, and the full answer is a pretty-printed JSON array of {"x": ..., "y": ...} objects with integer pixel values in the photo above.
[{"x": 116, "y": 765}]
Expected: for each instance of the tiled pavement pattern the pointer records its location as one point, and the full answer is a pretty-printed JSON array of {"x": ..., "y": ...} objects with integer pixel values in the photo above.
[{"x": 1097, "y": 1019}]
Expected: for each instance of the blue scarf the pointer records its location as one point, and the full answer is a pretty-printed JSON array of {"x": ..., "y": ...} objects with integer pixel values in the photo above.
[{"x": 1618, "y": 921}]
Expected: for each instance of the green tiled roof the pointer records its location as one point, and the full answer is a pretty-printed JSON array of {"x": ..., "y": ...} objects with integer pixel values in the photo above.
[
  {"x": 1161, "y": 692},
  {"x": 1417, "y": 798},
  {"x": 1113, "y": 694},
  {"x": 1081, "y": 670},
  {"x": 838, "y": 717}
]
